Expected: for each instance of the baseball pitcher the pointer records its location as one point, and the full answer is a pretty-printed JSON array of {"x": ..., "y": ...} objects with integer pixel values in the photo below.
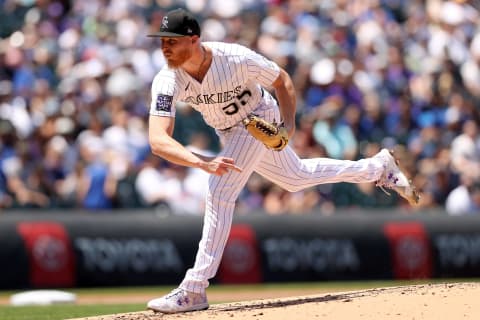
[{"x": 225, "y": 83}]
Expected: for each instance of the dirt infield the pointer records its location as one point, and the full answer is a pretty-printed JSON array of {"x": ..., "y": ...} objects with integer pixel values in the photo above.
[{"x": 419, "y": 302}]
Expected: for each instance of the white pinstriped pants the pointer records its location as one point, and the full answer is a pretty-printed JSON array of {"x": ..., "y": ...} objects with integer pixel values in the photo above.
[{"x": 284, "y": 168}]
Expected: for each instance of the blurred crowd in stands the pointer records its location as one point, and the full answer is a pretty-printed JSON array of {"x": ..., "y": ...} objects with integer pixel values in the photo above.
[{"x": 75, "y": 92}]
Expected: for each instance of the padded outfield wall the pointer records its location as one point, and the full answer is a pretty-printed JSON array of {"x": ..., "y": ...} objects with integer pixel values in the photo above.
[{"x": 79, "y": 249}]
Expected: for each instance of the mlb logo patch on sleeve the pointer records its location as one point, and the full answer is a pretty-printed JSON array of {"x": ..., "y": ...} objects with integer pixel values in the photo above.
[{"x": 164, "y": 103}]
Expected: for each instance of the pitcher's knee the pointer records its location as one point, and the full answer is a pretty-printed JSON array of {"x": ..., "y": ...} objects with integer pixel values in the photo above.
[{"x": 222, "y": 198}]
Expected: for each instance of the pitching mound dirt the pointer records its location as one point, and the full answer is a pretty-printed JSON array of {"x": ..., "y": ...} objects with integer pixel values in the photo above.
[{"x": 420, "y": 302}]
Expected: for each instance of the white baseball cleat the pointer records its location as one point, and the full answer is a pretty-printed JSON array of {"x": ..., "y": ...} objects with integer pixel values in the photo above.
[
  {"x": 393, "y": 178},
  {"x": 179, "y": 300}
]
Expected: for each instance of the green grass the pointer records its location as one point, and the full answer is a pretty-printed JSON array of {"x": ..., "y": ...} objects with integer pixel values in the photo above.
[{"x": 59, "y": 312}]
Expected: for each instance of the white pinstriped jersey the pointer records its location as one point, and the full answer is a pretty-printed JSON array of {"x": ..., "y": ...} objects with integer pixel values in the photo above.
[{"x": 230, "y": 90}]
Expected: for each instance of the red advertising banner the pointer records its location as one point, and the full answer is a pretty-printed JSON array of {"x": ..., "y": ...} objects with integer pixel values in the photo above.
[
  {"x": 410, "y": 250},
  {"x": 51, "y": 258},
  {"x": 241, "y": 258}
]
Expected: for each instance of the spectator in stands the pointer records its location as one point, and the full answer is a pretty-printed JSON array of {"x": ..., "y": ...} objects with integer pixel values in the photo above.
[
  {"x": 150, "y": 183},
  {"x": 97, "y": 183},
  {"x": 464, "y": 199},
  {"x": 14, "y": 188},
  {"x": 176, "y": 189},
  {"x": 329, "y": 131},
  {"x": 407, "y": 72},
  {"x": 465, "y": 150}
]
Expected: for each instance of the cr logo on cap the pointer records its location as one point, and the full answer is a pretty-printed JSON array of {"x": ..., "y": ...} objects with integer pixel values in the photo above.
[{"x": 165, "y": 22}]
